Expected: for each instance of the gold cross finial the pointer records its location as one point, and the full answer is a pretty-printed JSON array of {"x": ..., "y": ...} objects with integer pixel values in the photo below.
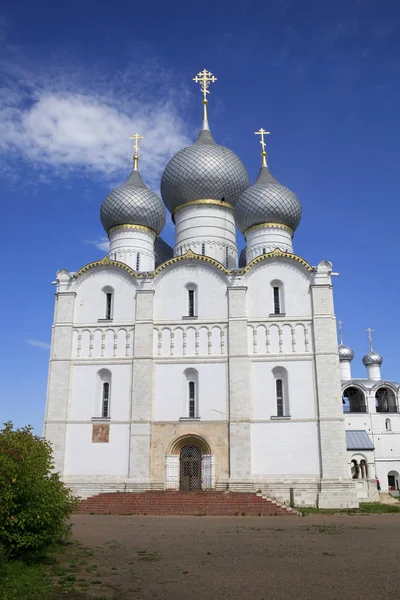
[
  {"x": 369, "y": 331},
  {"x": 204, "y": 78},
  {"x": 136, "y": 137},
  {"x": 262, "y": 132},
  {"x": 340, "y": 323}
]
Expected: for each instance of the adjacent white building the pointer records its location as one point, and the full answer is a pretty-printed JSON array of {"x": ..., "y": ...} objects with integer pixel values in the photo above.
[{"x": 181, "y": 369}]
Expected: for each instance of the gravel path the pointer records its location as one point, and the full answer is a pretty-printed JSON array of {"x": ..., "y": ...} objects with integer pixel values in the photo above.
[{"x": 243, "y": 558}]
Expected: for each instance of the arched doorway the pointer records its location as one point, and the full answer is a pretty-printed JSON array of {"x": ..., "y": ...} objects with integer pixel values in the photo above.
[
  {"x": 190, "y": 468},
  {"x": 393, "y": 481},
  {"x": 189, "y": 464}
]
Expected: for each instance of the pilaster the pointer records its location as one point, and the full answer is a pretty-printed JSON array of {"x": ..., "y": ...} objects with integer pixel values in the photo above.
[
  {"x": 142, "y": 387},
  {"x": 58, "y": 389},
  {"x": 239, "y": 385}
]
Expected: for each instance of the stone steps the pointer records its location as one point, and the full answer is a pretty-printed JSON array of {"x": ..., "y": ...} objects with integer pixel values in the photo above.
[{"x": 184, "y": 503}]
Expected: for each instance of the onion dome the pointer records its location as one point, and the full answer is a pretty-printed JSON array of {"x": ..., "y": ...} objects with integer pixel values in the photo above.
[
  {"x": 267, "y": 201},
  {"x": 162, "y": 251},
  {"x": 243, "y": 258},
  {"x": 133, "y": 203},
  {"x": 345, "y": 353},
  {"x": 205, "y": 170},
  {"x": 372, "y": 358}
]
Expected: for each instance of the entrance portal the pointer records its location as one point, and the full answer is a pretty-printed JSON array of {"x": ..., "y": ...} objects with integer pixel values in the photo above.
[{"x": 190, "y": 468}]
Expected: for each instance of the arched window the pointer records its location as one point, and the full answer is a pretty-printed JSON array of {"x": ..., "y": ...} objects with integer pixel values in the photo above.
[
  {"x": 364, "y": 469},
  {"x": 277, "y": 298},
  {"x": 104, "y": 393},
  {"x": 264, "y": 251},
  {"x": 281, "y": 391},
  {"x": 353, "y": 401},
  {"x": 138, "y": 261},
  {"x": 388, "y": 425},
  {"x": 106, "y": 400},
  {"x": 279, "y": 397},
  {"x": 191, "y": 395},
  {"x": 109, "y": 301},
  {"x": 191, "y": 290},
  {"x": 203, "y": 249},
  {"x": 226, "y": 256},
  {"x": 385, "y": 400}
]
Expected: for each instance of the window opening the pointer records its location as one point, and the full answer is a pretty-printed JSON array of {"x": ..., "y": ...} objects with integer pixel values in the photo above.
[
  {"x": 203, "y": 249},
  {"x": 279, "y": 398},
  {"x": 138, "y": 261},
  {"x": 191, "y": 302},
  {"x": 108, "y": 305},
  {"x": 192, "y": 400},
  {"x": 264, "y": 251},
  {"x": 226, "y": 256},
  {"x": 106, "y": 400},
  {"x": 388, "y": 425},
  {"x": 277, "y": 304}
]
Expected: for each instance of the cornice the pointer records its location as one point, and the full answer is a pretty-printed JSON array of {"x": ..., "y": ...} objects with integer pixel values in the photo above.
[
  {"x": 132, "y": 226},
  {"x": 220, "y": 203},
  {"x": 278, "y": 254},
  {"x": 191, "y": 255},
  {"x": 106, "y": 262},
  {"x": 270, "y": 226}
]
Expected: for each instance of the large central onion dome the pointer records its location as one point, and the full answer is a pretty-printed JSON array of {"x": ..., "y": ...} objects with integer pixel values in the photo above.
[
  {"x": 133, "y": 203},
  {"x": 267, "y": 201},
  {"x": 203, "y": 171}
]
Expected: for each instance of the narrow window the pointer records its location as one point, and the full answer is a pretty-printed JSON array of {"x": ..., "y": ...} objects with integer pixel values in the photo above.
[
  {"x": 138, "y": 261},
  {"x": 191, "y": 303},
  {"x": 388, "y": 425},
  {"x": 226, "y": 256},
  {"x": 279, "y": 398},
  {"x": 192, "y": 400},
  {"x": 106, "y": 400},
  {"x": 108, "y": 305},
  {"x": 277, "y": 304},
  {"x": 264, "y": 251},
  {"x": 203, "y": 249}
]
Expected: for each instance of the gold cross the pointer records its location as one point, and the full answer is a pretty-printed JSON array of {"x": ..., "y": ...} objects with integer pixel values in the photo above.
[
  {"x": 262, "y": 132},
  {"x": 136, "y": 137},
  {"x": 204, "y": 78},
  {"x": 340, "y": 323},
  {"x": 369, "y": 331}
]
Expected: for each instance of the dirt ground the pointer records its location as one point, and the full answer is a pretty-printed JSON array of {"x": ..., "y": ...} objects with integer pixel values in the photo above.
[{"x": 257, "y": 558}]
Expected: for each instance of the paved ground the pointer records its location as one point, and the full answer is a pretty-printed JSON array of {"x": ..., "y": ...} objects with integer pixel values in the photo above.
[{"x": 246, "y": 558}]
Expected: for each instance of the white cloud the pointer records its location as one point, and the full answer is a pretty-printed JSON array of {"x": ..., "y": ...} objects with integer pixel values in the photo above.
[
  {"x": 38, "y": 344},
  {"x": 63, "y": 120},
  {"x": 102, "y": 243}
]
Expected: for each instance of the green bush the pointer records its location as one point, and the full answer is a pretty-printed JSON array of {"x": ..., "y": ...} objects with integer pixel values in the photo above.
[{"x": 34, "y": 503}]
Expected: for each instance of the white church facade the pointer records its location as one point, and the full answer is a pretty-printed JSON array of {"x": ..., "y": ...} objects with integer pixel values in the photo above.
[{"x": 187, "y": 368}]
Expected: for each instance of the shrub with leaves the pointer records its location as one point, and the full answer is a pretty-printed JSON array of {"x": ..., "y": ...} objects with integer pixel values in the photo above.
[{"x": 34, "y": 503}]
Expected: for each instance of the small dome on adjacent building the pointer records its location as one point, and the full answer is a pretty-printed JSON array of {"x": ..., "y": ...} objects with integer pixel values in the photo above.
[
  {"x": 243, "y": 258},
  {"x": 203, "y": 171},
  {"x": 162, "y": 252},
  {"x": 133, "y": 203},
  {"x": 372, "y": 358},
  {"x": 267, "y": 201},
  {"x": 345, "y": 353}
]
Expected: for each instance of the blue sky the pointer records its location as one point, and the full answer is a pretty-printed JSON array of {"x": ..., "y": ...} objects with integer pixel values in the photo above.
[{"x": 78, "y": 78}]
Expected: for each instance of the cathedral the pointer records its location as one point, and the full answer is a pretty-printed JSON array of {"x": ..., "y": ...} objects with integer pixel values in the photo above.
[{"x": 191, "y": 368}]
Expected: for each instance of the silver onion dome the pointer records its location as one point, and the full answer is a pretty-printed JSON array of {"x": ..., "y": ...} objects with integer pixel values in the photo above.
[
  {"x": 372, "y": 358},
  {"x": 345, "y": 353},
  {"x": 162, "y": 251},
  {"x": 243, "y": 258},
  {"x": 133, "y": 203},
  {"x": 267, "y": 201},
  {"x": 204, "y": 170}
]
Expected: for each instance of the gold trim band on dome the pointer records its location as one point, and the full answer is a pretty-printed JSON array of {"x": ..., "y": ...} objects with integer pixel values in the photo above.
[
  {"x": 221, "y": 203},
  {"x": 132, "y": 226},
  {"x": 270, "y": 226}
]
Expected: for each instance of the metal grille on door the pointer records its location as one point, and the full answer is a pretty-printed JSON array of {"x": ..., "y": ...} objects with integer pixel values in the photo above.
[{"x": 190, "y": 468}]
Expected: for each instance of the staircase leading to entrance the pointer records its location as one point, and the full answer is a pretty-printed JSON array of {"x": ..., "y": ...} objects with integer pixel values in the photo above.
[{"x": 184, "y": 503}]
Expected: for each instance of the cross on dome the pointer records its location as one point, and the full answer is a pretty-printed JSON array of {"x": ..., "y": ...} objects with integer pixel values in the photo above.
[
  {"x": 136, "y": 137},
  {"x": 204, "y": 78},
  {"x": 369, "y": 331},
  {"x": 262, "y": 132},
  {"x": 340, "y": 323}
]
